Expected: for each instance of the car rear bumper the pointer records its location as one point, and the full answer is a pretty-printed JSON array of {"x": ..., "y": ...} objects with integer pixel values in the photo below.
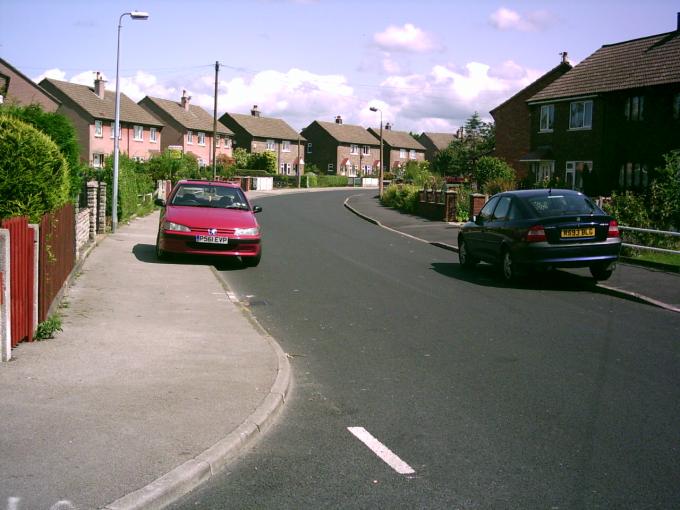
[
  {"x": 545, "y": 254},
  {"x": 186, "y": 243}
]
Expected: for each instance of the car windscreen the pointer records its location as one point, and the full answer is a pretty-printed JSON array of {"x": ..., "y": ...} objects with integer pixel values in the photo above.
[
  {"x": 199, "y": 195},
  {"x": 562, "y": 205}
]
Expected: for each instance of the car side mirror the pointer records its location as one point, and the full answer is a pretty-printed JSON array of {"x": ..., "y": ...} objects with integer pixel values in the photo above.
[
  {"x": 257, "y": 209},
  {"x": 478, "y": 219},
  {"x": 160, "y": 202}
]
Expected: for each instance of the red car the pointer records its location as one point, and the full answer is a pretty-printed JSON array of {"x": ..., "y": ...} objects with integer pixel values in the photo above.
[{"x": 209, "y": 218}]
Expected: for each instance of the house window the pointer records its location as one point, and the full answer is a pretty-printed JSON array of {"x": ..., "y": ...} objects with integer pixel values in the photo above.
[
  {"x": 633, "y": 175},
  {"x": 574, "y": 173},
  {"x": 190, "y": 137},
  {"x": 153, "y": 135},
  {"x": 366, "y": 150},
  {"x": 271, "y": 145},
  {"x": 330, "y": 168},
  {"x": 367, "y": 169},
  {"x": 227, "y": 142},
  {"x": 201, "y": 138},
  {"x": 412, "y": 154},
  {"x": 98, "y": 129},
  {"x": 547, "y": 117},
  {"x": 581, "y": 115},
  {"x": 543, "y": 170},
  {"x": 285, "y": 146},
  {"x": 354, "y": 149},
  {"x": 285, "y": 168},
  {"x": 139, "y": 133},
  {"x": 402, "y": 153},
  {"x": 113, "y": 130},
  {"x": 634, "y": 109},
  {"x": 676, "y": 106},
  {"x": 98, "y": 160},
  {"x": 309, "y": 148}
]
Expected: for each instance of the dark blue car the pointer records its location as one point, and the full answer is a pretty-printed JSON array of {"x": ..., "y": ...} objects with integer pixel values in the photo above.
[{"x": 541, "y": 228}]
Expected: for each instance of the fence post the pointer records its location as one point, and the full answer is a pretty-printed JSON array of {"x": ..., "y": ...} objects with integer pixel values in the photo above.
[
  {"x": 36, "y": 273},
  {"x": 101, "y": 209},
  {"x": 92, "y": 187},
  {"x": 450, "y": 206},
  {"x": 477, "y": 201},
  {"x": 5, "y": 324}
]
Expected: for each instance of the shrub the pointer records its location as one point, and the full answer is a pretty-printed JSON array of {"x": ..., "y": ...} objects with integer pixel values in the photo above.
[
  {"x": 418, "y": 173},
  {"x": 463, "y": 205},
  {"x": 34, "y": 175},
  {"x": 404, "y": 197},
  {"x": 499, "y": 184},
  {"x": 489, "y": 168},
  {"x": 310, "y": 180},
  {"x": 331, "y": 181}
]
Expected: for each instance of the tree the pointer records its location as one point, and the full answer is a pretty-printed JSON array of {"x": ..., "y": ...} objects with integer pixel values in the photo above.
[{"x": 489, "y": 169}]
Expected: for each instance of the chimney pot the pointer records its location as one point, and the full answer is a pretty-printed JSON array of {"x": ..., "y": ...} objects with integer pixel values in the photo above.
[
  {"x": 338, "y": 119},
  {"x": 255, "y": 112},
  {"x": 388, "y": 126},
  {"x": 185, "y": 100}
]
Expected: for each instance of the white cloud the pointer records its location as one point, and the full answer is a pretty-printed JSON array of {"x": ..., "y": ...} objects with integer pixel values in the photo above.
[
  {"x": 507, "y": 19},
  {"x": 407, "y": 38},
  {"x": 55, "y": 74}
]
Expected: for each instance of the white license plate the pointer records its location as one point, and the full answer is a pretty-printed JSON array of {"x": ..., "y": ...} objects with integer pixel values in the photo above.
[{"x": 212, "y": 239}]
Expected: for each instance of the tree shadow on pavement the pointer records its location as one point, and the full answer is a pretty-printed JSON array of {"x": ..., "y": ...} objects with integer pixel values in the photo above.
[
  {"x": 489, "y": 276},
  {"x": 147, "y": 253}
]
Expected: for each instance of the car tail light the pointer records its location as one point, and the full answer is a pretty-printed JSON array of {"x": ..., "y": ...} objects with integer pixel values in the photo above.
[
  {"x": 613, "y": 229},
  {"x": 535, "y": 234}
]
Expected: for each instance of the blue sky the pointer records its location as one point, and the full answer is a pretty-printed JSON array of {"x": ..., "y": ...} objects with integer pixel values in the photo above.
[{"x": 428, "y": 64}]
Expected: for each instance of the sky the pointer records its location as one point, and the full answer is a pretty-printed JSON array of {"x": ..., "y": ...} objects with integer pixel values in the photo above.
[{"x": 427, "y": 65}]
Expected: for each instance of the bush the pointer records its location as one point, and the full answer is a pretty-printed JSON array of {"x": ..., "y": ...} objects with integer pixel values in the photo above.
[
  {"x": 331, "y": 181},
  {"x": 34, "y": 175},
  {"x": 404, "y": 197},
  {"x": 418, "y": 173},
  {"x": 489, "y": 168},
  {"x": 310, "y": 180},
  {"x": 285, "y": 181},
  {"x": 463, "y": 205},
  {"x": 499, "y": 184},
  {"x": 134, "y": 179}
]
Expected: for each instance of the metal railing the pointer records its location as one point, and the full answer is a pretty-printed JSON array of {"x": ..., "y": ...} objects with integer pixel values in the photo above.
[{"x": 651, "y": 231}]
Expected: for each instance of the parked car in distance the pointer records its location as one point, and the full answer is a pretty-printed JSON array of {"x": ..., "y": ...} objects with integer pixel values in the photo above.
[
  {"x": 209, "y": 218},
  {"x": 541, "y": 228}
]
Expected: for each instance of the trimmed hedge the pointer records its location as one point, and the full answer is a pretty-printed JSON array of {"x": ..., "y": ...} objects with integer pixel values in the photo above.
[
  {"x": 331, "y": 181},
  {"x": 34, "y": 175}
]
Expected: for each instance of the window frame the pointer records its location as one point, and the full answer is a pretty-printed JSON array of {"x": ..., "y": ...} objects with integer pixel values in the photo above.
[
  {"x": 354, "y": 148},
  {"x": 201, "y": 138},
  {"x": 309, "y": 147},
  {"x": 98, "y": 129},
  {"x": 285, "y": 145},
  {"x": 549, "y": 118},
  {"x": 190, "y": 137},
  {"x": 140, "y": 129},
  {"x": 402, "y": 153},
  {"x": 153, "y": 135},
  {"x": 270, "y": 145},
  {"x": 586, "y": 114},
  {"x": 412, "y": 155}
]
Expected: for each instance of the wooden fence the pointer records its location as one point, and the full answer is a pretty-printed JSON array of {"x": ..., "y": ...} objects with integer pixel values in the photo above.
[
  {"x": 22, "y": 239},
  {"x": 57, "y": 255}
]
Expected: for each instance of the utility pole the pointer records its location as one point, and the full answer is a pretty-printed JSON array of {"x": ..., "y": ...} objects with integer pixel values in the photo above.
[
  {"x": 214, "y": 144},
  {"x": 299, "y": 177}
]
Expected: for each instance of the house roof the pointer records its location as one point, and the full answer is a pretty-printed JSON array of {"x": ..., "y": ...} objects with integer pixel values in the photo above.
[
  {"x": 440, "y": 140},
  {"x": 348, "y": 133},
  {"x": 562, "y": 67},
  {"x": 98, "y": 108},
  {"x": 265, "y": 127},
  {"x": 195, "y": 119},
  {"x": 398, "y": 139},
  {"x": 645, "y": 62},
  {"x": 38, "y": 88}
]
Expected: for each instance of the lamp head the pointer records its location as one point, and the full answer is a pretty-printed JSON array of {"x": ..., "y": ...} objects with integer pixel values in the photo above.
[
  {"x": 373, "y": 109},
  {"x": 141, "y": 15}
]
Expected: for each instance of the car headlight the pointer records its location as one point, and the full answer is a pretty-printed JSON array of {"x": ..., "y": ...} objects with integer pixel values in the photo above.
[
  {"x": 247, "y": 231},
  {"x": 169, "y": 225}
]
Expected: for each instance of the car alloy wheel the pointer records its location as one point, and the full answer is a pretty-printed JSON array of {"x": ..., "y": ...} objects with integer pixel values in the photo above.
[
  {"x": 160, "y": 254},
  {"x": 466, "y": 260},
  {"x": 509, "y": 272}
]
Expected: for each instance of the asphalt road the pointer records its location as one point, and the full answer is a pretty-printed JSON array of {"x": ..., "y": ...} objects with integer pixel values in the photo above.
[{"x": 546, "y": 395}]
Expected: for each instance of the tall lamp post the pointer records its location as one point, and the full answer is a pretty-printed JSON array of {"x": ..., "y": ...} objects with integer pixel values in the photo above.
[
  {"x": 380, "y": 172},
  {"x": 137, "y": 15}
]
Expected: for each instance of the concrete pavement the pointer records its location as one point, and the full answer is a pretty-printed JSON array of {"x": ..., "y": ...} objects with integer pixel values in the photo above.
[
  {"x": 655, "y": 286},
  {"x": 157, "y": 380}
]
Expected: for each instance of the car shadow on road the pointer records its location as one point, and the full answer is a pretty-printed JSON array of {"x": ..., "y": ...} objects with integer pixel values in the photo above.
[
  {"x": 147, "y": 253},
  {"x": 489, "y": 276}
]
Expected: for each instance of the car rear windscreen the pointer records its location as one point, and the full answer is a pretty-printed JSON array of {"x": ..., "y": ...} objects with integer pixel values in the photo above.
[{"x": 562, "y": 205}]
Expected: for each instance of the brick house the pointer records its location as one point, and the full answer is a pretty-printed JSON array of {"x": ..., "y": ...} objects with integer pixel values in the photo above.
[
  {"x": 92, "y": 111},
  {"x": 189, "y": 128},
  {"x": 258, "y": 134},
  {"x": 343, "y": 149},
  {"x": 17, "y": 88},
  {"x": 513, "y": 121},
  {"x": 399, "y": 147},
  {"x": 606, "y": 124},
  {"x": 434, "y": 143}
]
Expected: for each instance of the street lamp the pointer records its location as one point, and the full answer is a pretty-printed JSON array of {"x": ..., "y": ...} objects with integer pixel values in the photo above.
[
  {"x": 136, "y": 15},
  {"x": 380, "y": 172}
]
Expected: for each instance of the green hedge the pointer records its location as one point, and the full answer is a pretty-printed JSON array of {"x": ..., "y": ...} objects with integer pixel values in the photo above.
[
  {"x": 331, "y": 181},
  {"x": 404, "y": 197},
  {"x": 34, "y": 175}
]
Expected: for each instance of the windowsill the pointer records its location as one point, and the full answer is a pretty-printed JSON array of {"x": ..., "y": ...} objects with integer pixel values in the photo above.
[
  {"x": 545, "y": 130},
  {"x": 580, "y": 129}
]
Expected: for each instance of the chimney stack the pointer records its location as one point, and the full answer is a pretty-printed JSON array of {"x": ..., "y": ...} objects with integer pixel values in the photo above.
[
  {"x": 255, "y": 112},
  {"x": 99, "y": 83},
  {"x": 388, "y": 126},
  {"x": 185, "y": 100},
  {"x": 338, "y": 119},
  {"x": 565, "y": 60}
]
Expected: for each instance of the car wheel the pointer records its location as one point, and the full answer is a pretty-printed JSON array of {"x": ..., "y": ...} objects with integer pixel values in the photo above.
[
  {"x": 252, "y": 261},
  {"x": 602, "y": 271},
  {"x": 160, "y": 254},
  {"x": 466, "y": 260},
  {"x": 508, "y": 266}
]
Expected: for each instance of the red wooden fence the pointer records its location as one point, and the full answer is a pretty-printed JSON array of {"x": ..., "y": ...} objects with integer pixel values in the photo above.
[
  {"x": 21, "y": 239},
  {"x": 57, "y": 255}
]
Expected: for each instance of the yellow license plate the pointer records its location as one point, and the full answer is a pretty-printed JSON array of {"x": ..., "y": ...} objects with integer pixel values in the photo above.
[{"x": 577, "y": 232}]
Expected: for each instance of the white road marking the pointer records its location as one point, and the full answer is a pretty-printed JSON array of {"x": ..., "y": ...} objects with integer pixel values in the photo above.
[{"x": 381, "y": 451}]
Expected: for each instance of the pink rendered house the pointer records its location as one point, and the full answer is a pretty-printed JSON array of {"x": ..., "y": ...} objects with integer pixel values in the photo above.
[
  {"x": 92, "y": 111},
  {"x": 189, "y": 128}
]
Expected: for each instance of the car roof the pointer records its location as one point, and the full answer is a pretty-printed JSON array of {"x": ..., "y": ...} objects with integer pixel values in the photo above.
[
  {"x": 210, "y": 183},
  {"x": 540, "y": 192}
]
